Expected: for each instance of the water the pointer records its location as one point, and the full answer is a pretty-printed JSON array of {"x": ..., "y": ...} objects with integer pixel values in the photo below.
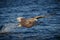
[{"x": 48, "y": 30}]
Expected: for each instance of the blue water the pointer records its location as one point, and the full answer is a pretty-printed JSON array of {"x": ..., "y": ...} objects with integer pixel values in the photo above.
[{"x": 48, "y": 30}]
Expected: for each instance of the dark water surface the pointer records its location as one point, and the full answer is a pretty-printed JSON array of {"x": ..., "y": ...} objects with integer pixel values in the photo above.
[{"x": 48, "y": 30}]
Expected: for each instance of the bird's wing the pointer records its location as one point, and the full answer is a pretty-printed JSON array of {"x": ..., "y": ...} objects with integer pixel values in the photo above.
[{"x": 37, "y": 17}]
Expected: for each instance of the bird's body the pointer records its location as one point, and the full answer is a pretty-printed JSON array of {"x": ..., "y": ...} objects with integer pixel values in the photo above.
[{"x": 28, "y": 22}]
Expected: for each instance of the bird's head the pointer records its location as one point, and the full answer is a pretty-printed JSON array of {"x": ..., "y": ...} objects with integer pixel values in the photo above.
[{"x": 20, "y": 18}]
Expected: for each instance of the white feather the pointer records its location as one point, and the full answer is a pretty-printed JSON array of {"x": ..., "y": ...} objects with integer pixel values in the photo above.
[{"x": 19, "y": 19}]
